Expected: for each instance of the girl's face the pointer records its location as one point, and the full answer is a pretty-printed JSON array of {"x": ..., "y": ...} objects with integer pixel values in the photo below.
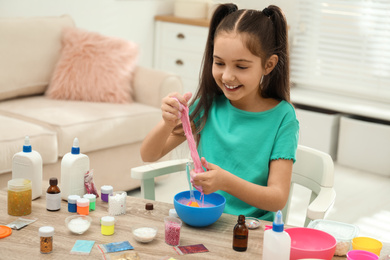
[{"x": 237, "y": 71}]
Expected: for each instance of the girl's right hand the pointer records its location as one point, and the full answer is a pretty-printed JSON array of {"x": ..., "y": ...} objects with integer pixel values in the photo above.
[{"x": 171, "y": 109}]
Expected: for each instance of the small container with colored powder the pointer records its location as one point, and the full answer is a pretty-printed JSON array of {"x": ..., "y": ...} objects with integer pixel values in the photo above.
[
  {"x": 106, "y": 190},
  {"x": 72, "y": 203},
  {"x": 172, "y": 230},
  {"x": 83, "y": 206},
  {"x": 92, "y": 201},
  {"x": 107, "y": 225},
  {"x": 46, "y": 239}
]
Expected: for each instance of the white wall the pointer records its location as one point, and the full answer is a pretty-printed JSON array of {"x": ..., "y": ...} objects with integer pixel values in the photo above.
[{"x": 129, "y": 19}]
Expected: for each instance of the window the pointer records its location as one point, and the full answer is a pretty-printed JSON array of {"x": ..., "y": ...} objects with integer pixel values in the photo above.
[{"x": 343, "y": 47}]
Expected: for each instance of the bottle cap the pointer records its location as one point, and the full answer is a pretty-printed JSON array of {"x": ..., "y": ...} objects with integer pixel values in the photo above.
[
  {"x": 91, "y": 197},
  {"x": 46, "y": 231},
  {"x": 19, "y": 184},
  {"x": 27, "y": 146},
  {"x": 83, "y": 202},
  {"x": 5, "y": 231},
  {"x": 149, "y": 206},
  {"x": 278, "y": 225},
  {"x": 173, "y": 213},
  {"x": 73, "y": 198},
  {"x": 106, "y": 189},
  {"x": 53, "y": 181},
  {"x": 107, "y": 221},
  {"x": 75, "y": 147}
]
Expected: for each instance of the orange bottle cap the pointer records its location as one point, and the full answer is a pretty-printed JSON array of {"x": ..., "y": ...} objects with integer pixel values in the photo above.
[{"x": 5, "y": 231}]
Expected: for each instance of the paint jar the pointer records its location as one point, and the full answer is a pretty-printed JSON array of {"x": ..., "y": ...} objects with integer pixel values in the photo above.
[
  {"x": 72, "y": 203},
  {"x": 106, "y": 190},
  {"x": 92, "y": 201},
  {"x": 117, "y": 203},
  {"x": 46, "y": 239},
  {"x": 172, "y": 230},
  {"x": 83, "y": 206},
  {"x": 107, "y": 225},
  {"x": 19, "y": 197}
]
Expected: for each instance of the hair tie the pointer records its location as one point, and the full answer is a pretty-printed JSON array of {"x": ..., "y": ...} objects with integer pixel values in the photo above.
[{"x": 267, "y": 12}]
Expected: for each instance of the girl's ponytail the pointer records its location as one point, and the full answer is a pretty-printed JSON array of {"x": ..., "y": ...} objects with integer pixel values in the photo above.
[{"x": 279, "y": 79}]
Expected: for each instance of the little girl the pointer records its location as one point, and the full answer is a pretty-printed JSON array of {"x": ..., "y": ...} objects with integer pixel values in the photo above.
[{"x": 245, "y": 127}]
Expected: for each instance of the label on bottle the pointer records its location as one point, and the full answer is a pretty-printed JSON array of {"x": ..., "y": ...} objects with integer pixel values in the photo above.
[
  {"x": 240, "y": 237},
  {"x": 53, "y": 201}
]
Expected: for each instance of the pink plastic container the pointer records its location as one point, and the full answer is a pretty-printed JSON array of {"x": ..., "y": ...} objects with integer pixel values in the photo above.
[
  {"x": 311, "y": 243},
  {"x": 361, "y": 255}
]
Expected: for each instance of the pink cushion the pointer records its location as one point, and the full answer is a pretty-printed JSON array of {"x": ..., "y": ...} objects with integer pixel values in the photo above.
[{"x": 93, "y": 67}]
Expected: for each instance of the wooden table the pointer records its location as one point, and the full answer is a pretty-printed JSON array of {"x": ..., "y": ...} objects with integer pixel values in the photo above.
[{"x": 217, "y": 238}]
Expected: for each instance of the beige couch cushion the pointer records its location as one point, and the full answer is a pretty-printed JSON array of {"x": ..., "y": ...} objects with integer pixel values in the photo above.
[
  {"x": 12, "y": 136},
  {"x": 29, "y": 50},
  {"x": 96, "y": 125}
]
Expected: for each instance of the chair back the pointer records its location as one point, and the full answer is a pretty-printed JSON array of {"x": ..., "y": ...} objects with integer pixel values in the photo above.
[{"x": 313, "y": 170}]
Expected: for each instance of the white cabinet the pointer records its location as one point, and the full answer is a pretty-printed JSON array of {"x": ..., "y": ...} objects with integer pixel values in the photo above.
[{"x": 179, "y": 49}]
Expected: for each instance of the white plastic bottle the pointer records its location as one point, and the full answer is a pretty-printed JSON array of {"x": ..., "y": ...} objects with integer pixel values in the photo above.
[
  {"x": 277, "y": 242},
  {"x": 28, "y": 165},
  {"x": 74, "y": 166}
]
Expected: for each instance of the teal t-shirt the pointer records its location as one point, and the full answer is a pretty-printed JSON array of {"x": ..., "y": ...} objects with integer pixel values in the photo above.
[{"x": 244, "y": 143}]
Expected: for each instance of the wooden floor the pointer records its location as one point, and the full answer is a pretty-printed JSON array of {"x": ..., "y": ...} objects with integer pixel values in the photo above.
[{"x": 362, "y": 199}]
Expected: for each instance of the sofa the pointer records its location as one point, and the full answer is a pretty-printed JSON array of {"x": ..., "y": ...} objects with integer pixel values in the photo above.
[{"x": 109, "y": 133}]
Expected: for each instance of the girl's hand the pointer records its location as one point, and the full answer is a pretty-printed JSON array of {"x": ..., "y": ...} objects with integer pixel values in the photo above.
[
  {"x": 211, "y": 180},
  {"x": 171, "y": 109}
]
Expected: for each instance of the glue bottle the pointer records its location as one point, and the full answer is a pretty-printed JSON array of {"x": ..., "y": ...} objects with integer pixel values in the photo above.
[
  {"x": 277, "y": 242},
  {"x": 74, "y": 166},
  {"x": 28, "y": 165}
]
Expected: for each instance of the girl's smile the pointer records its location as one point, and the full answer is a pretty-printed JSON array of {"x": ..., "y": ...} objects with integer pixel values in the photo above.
[{"x": 237, "y": 71}]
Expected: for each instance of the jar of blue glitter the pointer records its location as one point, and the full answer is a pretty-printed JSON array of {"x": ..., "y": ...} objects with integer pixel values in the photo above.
[{"x": 72, "y": 203}]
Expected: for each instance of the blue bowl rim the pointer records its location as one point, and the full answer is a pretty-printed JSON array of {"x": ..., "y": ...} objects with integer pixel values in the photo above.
[{"x": 196, "y": 192}]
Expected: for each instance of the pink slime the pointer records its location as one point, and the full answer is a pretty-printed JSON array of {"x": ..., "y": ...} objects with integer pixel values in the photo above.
[{"x": 185, "y": 119}]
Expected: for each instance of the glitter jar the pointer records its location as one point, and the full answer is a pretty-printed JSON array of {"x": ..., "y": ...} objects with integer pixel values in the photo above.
[
  {"x": 107, "y": 225},
  {"x": 83, "y": 206},
  {"x": 46, "y": 239},
  {"x": 106, "y": 190},
  {"x": 92, "y": 201},
  {"x": 72, "y": 203},
  {"x": 19, "y": 197},
  {"x": 172, "y": 230},
  {"x": 117, "y": 203}
]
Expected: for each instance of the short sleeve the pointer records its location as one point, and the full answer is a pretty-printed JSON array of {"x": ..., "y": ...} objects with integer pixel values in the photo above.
[{"x": 286, "y": 142}]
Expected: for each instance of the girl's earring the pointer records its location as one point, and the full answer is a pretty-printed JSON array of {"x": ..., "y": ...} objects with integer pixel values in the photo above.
[{"x": 261, "y": 81}]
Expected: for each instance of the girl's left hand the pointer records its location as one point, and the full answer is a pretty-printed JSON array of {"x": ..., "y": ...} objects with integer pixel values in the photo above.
[{"x": 211, "y": 180}]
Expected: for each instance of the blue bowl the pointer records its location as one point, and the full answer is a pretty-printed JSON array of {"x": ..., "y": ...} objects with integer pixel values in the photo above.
[{"x": 202, "y": 216}]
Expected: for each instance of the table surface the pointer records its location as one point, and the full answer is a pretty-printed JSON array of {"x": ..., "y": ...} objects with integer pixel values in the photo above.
[{"x": 217, "y": 237}]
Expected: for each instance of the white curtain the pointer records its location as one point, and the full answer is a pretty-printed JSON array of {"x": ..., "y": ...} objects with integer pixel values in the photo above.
[{"x": 343, "y": 47}]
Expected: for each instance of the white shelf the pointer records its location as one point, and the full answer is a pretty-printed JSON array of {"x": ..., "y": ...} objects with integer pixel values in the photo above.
[{"x": 342, "y": 104}]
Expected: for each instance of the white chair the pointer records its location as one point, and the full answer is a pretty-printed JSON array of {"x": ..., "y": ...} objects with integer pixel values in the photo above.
[{"x": 313, "y": 169}]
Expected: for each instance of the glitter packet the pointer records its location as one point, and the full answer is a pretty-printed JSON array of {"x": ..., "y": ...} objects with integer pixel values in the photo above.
[
  {"x": 122, "y": 256},
  {"x": 21, "y": 222},
  {"x": 183, "y": 250},
  {"x": 115, "y": 247},
  {"x": 82, "y": 247},
  {"x": 90, "y": 184}
]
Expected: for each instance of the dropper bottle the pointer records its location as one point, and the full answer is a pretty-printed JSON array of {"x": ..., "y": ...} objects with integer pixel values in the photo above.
[{"x": 277, "y": 242}]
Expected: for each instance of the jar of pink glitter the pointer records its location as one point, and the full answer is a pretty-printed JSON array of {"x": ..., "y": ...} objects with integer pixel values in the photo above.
[{"x": 172, "y": 230}]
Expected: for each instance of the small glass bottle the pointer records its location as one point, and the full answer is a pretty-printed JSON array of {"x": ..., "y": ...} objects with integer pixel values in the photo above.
[
  {"x": 53, "y": 196},
  {"x": 46, "y": 239},
  {"x": 240, "y": 235}
]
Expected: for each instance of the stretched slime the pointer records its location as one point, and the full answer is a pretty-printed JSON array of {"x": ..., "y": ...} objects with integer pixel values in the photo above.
[{"x": 185, "y": 119}]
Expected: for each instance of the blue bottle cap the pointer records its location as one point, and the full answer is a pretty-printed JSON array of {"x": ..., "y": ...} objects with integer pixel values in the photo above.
[
  {"x": 278, "y": 225},
  {"x": 27, "y": 146},
  {"x": 75, "y": 147}
]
